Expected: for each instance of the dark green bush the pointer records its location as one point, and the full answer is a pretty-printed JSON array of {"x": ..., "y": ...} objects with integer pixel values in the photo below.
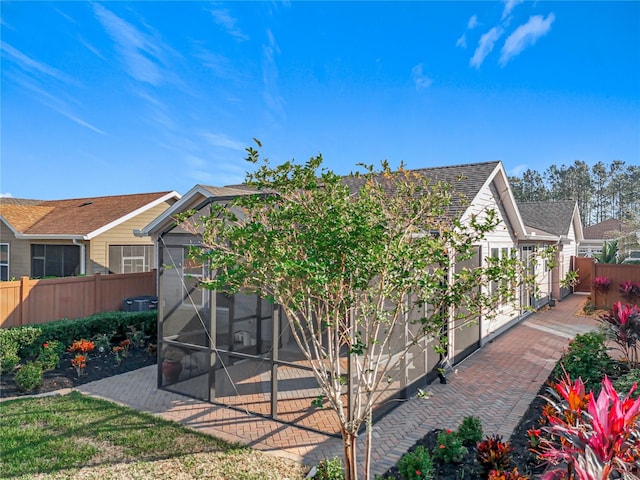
[
  {"x": 416, "y": 465},
  {"x": 587, "y": 358},
  {"x": 449, "y": 448},
  {"x": 470, "y": 431},
  {"x": 66, "y": 331},
  {"x": 12, "y": 341},
  {"x": 49, "y": 356},
  {"x": 29, "y": 377}
]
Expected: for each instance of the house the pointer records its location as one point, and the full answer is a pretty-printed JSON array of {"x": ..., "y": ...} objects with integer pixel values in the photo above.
[
  {"x": 554, "y": 223},
  {"x": 611, "y": 229},
  {"x": 82, "y": 236},
  {"x": 225, "y": 343}
]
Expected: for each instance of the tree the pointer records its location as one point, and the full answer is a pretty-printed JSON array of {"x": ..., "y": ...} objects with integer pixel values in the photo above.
[
  {"x": 530, "y": 188},
  {"x": 353, "y": 262}
]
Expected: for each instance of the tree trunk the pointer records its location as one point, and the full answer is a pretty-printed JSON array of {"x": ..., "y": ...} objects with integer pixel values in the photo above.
[
  {"x": 367, "y": 452},
  {"x": 349, "y": 445}
]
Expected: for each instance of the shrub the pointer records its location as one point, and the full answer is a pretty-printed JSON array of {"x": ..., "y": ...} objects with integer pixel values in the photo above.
[
  {"x": 623, "y": 327},
  {"x": 449, "y": 448},
  {"x": 29, "y": 377},
  {"x": 493, "y": 453},
  {"x": 470, "y": 431},
  {"x": 8, "y": 361},
  {"x": 586, "y": 357},
  {"x": 416, "y": 465},
  {"x": 330, "y": 469},
  {"x": 49, "y": 357},
  {"x": 110, "y": 323},
  {"x": 14, "y": 340},
  {"x": 601, "y": 283},
  {"x": 625, "y": 382}
]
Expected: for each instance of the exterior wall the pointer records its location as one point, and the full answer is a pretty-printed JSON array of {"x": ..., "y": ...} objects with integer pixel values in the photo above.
[
  {"x": 502, "y": 237},
  {"x": 19, "y": 253},
  {"x": 122, "y": 234}
]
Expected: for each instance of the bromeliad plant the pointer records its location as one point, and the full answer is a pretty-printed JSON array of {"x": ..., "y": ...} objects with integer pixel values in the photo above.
[
  {"x": 630, "y": 290},
  {"x": 596, "y": 443},
  {"x": 623, "y": 327},
  {"x": 79, "y": 362},
  {"x": 81, "y": 346}
]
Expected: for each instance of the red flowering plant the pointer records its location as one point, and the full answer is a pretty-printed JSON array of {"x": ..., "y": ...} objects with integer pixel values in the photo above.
[
  {"x": 506, "y": 475},
  {"x": 601, "y": 442},
  {"x": 493, "y": 453},
  {"x": 79, "y": 362},
  {"x": 601, "y": 283},
  {"x": 630, "y": 290},
  {"x": 81, "y": 346},
  {"x": 623, "y": 327}
]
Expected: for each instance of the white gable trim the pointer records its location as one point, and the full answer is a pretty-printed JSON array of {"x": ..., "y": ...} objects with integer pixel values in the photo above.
[{"x": 133, "y": 214}]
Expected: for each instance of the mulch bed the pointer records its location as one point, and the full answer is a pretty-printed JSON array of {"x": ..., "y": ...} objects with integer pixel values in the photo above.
[{"x": 65, "y": 376}]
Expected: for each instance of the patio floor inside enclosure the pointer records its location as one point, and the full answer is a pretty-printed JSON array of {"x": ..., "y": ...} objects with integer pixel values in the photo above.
[{"x": 225, "y": 347}]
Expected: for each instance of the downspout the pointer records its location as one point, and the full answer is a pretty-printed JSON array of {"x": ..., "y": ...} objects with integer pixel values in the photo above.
[{"x": 83, "y": 260}]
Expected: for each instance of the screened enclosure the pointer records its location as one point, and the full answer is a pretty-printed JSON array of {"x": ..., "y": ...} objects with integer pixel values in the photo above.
[{"x": 238, "y": 350}]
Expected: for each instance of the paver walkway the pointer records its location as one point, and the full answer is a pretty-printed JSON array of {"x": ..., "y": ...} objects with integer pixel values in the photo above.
[{"x": 497, "y": 383}]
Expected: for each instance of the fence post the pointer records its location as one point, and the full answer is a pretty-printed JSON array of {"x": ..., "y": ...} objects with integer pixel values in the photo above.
[
  {"x": 25, "y": 291},
  {"x": 97, "y": 295}
]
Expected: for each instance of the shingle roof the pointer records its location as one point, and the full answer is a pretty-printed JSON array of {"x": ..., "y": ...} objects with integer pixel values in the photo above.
[
  {"x": 608, "y": 229},
  {"x": 553, "y": 217},
  {"x": 465, "y": 180},
  {"x": 79, "y": 216}
]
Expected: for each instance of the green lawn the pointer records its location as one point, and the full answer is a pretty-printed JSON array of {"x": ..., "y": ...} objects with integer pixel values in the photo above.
[{"x": 75, "y": 436}]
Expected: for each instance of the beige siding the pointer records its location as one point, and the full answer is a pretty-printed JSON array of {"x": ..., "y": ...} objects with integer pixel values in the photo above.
[
  {"x": 19, "y": 253},
  {"x": 121, "y": 235}
]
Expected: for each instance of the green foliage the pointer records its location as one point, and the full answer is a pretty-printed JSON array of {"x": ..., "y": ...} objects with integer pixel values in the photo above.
[
  {"x": 609, "y": 253},
  {"x": 586, "y": 357},
  {"x": 330, "y": 469},
  {"x": 470, "y": 431},
  {"x": 624, "y": 383},
  {"x": 12, "y": 341},
  {"x": 49, "y": 356},
  {"x": 449, "y": 448},
  {"x": 103, "y": 342},
  {"x": 416, "y": 465},
  {"x": 29, "y": 376},
  {"x": 66, "y": 331}
]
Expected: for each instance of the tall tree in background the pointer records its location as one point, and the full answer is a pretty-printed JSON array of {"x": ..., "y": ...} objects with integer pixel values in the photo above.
[
  {"x": 602, "y": 191},
  {"x": 529, "y": 188}
]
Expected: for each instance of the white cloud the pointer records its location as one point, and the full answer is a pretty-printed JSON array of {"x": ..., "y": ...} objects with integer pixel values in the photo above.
[
  {"x": 33, "y": 66},
  {"x": 6, "y": 195},
  {"x": 142, "y": 56},
  {"x": 485, "y": 45},
  {"x": 518, "y": 170},
  {"x": 223, "y": 18},
  {"x": 509, "y": 6},
  {"x": 525, "y": 35},
  {"x": 221, "y": 140},
  {"x": 421, "y": 80},
  {"x": 473, "y": 22},
  {"x": 271, "y": 95},
  {"x": 462, "y": 41}
]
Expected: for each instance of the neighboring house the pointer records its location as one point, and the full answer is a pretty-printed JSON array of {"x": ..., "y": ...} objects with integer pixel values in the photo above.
[
  {"x": 555, "y": 223},
  {"x": 61, "y": 238},
  {"x": 611, "y": 229},
  {"x": 224, "y": 343}
]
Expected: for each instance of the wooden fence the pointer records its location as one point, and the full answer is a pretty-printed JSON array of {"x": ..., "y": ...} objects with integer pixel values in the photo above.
[
  {"x": 617, "y": 273},
  {"x": 26, "y": 302}
]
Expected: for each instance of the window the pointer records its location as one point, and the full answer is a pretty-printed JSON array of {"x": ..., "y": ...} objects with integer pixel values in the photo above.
[
  {"x": 4, "y": 262},
  {"x": 54, "y": 260},
  {"x": 499, "y": 255},
  {"x": 130, "y": 258}
]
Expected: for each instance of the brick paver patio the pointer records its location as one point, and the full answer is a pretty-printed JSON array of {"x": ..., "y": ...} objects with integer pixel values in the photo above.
[{"x": 497, "y": 383}]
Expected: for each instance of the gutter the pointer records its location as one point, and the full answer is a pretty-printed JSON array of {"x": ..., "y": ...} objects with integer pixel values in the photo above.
[{"x": 83, "y": 258}]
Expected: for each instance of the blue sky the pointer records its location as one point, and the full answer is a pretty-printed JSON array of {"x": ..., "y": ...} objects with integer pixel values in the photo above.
[{"x": 106, "y": 98}]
